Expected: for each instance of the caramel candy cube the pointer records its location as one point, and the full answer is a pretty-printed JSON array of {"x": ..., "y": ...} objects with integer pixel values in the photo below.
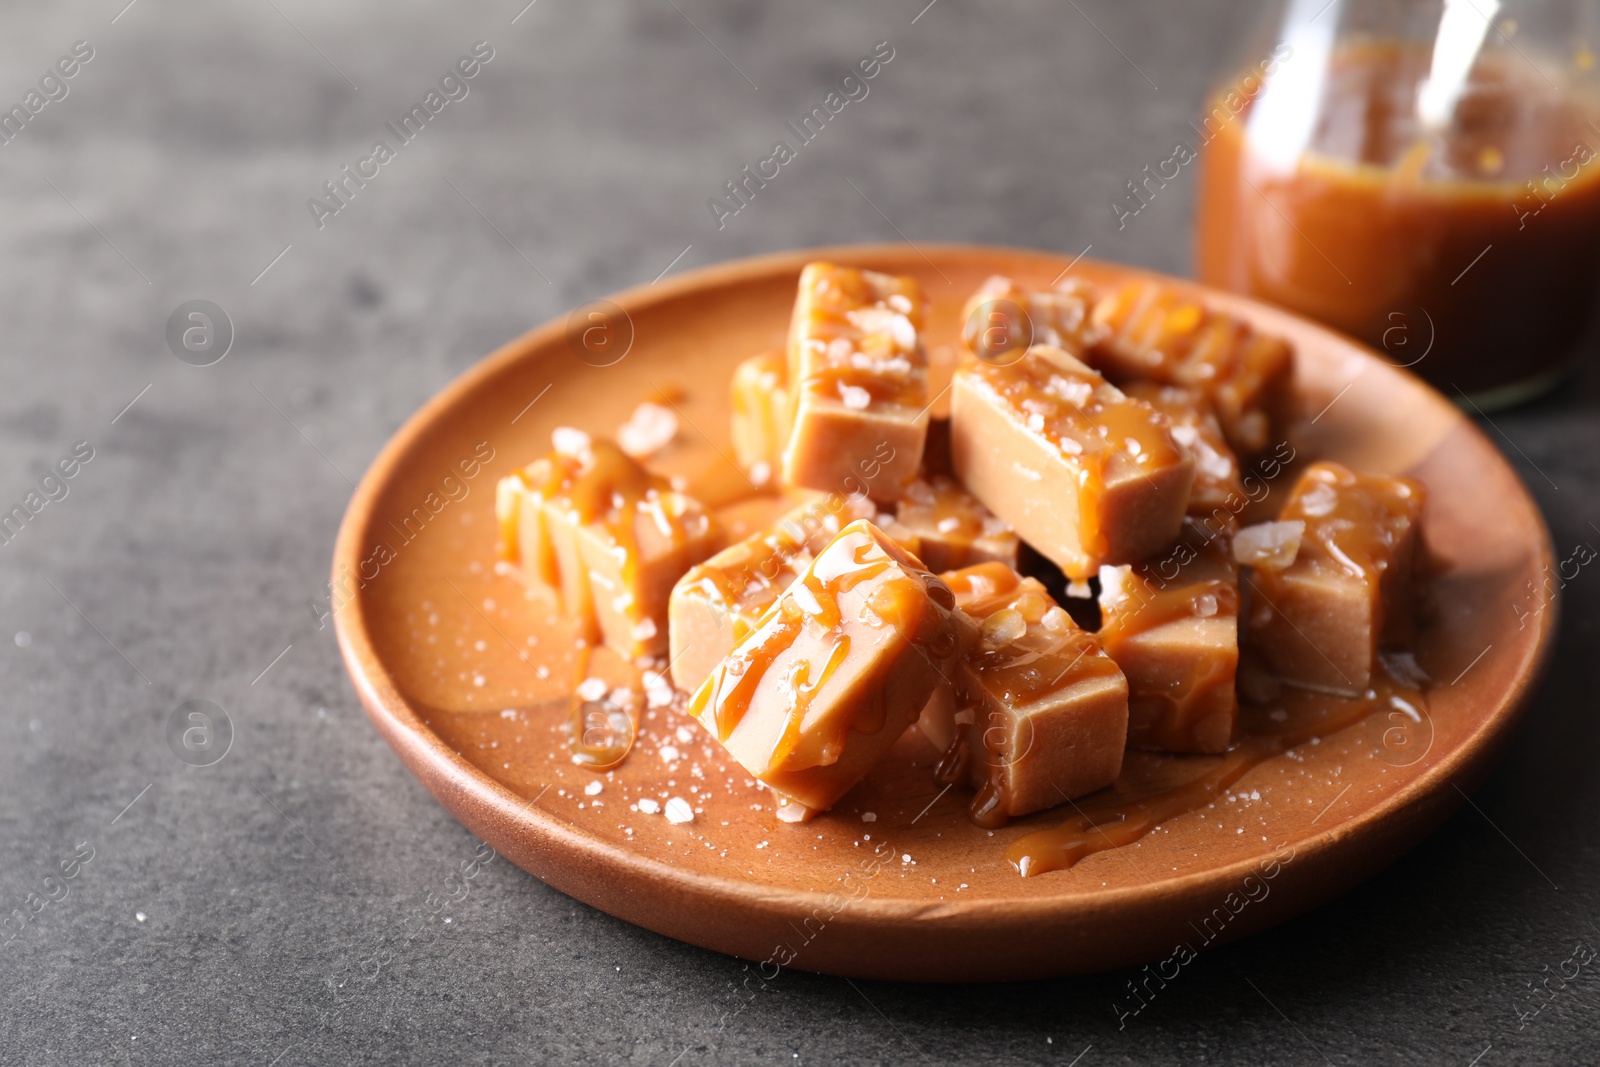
[
  {"x": 1172, "y": 624},
  {"x": 718, "y": 603},
  {"x": 1003, "y": 319},
  {"x": 1039, "y": 713},
  {"x": 1320, "y": 620},
  {"x": 608, "y": 538},
  {"x": 760, "y": 391},
  {"x": 952, "y": 527},
  {"x": 1158, "y": 333},
  {"x": 858, "y": 382},
  {"x": 1085, "y": 474},
  {"x": 1218, "y": 495},
  {"x": 836, "y": 670}
]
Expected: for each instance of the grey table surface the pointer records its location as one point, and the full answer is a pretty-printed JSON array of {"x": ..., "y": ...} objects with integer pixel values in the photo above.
[{"x": 230, "y": 913}]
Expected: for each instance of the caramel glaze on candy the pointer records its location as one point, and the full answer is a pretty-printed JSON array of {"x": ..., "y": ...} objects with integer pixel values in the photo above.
[
  {"x": 858, "y": 379},
  {"x": 864, "y": 610},
  {"x": 1351, "y": 585},
  {"x": 1002, "y": 316},
  {"x": 1157, "y": 333},
  {"x": 1218, "y": 484},
  {"x": 596, "y": 487},
  {"x": 1028, "y": 650},
  {"x": 1196, "y": 581},
  {"x": 1355, "y": 524},
  {"x": 847, "y": 334}
]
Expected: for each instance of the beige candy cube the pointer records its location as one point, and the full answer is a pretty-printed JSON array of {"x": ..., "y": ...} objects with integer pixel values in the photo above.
[
  {"x": 835, "y": 671},
  {"x": 1085, "y": 474},
  {"x": 953, "y": 527},
  {"x": 858, "y": 382},
  {"x": 761, "y": 416},
  {"x": 1172, "y": 624},
  {"x": 608, "y": 538},
  {"x": 1003, "y": 319},
  {"x": 1320, "y": 620},
  {"x": 1038, "y": 714},
  {"x": 1159, "y": 333},
  {"x": 719, "y": 602}
]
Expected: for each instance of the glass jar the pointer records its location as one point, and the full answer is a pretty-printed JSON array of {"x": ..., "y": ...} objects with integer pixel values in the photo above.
[{"x": 1421, "y": 174}]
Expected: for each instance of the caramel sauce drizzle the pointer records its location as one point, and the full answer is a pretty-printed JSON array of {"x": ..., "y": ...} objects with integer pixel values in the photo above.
[
  {"x": 1156, "y": 332},
  {"x": 857, "y": 329},
  {"x": 1154, "y": 789},
  {"x": 858, "y": 555},
  {"x": 1218, "y": 483},
  {"x": 1354, "y": 522},
  {"x": 1204, "y": 581},
  {"x": 600, "y": 486},
  {"x": 1002, "y": 316},
  {"x": 1029, "y": 648},
  {"x": 1159, "y": 330},
  {"x": 599, "y": 733}
]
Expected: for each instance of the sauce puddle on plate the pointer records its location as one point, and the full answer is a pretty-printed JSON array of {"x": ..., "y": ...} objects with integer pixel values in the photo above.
[{"x": 1154, "y": 788}]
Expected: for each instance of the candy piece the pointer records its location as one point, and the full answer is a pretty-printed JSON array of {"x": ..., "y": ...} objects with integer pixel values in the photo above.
[
  {"x": 1320, "y": 621},
  {"x": 760, "y": 391},
  {"x": 836, "y": 670},
  {"x": 1083, "y": 473},
  {"x": 719, "y": 602},
  {"x": 1038, "y": 714},
  {"x": 1002, "y": 319},
  {"x": 1158, "y": 333},
  {"x": 1218, "y": 494},
  {"x": 604, "y": 535},
  {"x": 1172, "y": 625},
  {"x": 858, "y": 379},
  {"x": 952, "y": 526}
]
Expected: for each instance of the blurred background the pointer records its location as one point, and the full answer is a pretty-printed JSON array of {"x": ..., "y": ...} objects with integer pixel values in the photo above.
[{"x": 222, "y": 910}]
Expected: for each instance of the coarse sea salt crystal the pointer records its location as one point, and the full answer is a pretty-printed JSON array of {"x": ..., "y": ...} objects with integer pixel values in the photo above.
[
  {"x": 593, "y": 788},
  {"x": 649, "y": 806},
  {"x": 1269, "y": 545},
  {"x": 648, "y": 430},
  {"x": 569, "y": 440},
  {"x": 904, "y": 334},
  {"x": 855, "y": 397},
  {"x": 591, "y": 689},
  {"x": 679, "y": 811},
  {"x": 669, "y": 754}
]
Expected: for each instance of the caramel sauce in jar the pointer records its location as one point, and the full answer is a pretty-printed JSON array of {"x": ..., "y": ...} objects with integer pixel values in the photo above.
[{"x": 1465, "y": 247}]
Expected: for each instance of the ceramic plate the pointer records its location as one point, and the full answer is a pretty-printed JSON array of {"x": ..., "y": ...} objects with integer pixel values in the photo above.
[{"x": 471, "y": 682}]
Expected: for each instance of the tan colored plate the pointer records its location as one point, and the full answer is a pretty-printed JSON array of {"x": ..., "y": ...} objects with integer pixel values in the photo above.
[{"x": 447, "y": 656}]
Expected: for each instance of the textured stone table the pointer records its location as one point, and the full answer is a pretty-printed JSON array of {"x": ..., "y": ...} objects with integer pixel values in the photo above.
[{"x": 229, "y": 913}]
